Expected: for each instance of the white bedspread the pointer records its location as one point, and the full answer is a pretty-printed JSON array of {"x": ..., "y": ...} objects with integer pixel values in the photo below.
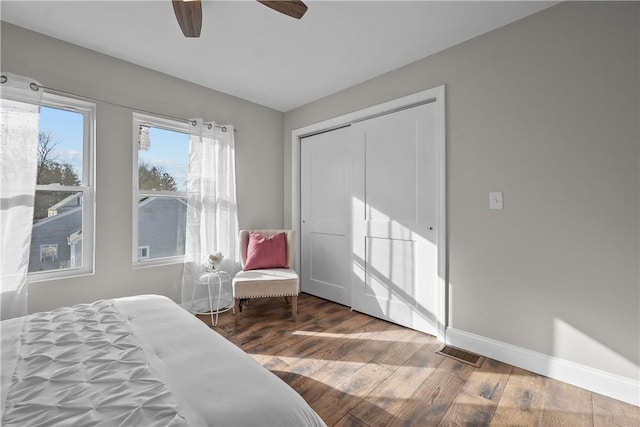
[{"x": 139, "y": 361}]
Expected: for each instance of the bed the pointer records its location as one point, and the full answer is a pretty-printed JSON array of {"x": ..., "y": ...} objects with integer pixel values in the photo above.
[{"x": 136, "y": 361}]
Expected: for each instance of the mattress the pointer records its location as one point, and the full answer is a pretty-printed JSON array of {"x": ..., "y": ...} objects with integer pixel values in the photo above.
[{"x": 140, "y": 361}]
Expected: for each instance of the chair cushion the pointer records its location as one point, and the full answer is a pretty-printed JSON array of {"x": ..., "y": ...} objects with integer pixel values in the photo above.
[
  {"x": 266, "y": 252},
  {"x": 271, "y": 282}
]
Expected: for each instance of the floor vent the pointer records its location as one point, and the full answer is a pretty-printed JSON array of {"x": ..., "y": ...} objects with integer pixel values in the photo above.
[{"x": 461, "y": 355}]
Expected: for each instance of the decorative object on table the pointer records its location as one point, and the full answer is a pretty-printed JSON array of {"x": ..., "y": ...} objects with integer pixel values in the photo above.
[{"x": 214, "y": 261}]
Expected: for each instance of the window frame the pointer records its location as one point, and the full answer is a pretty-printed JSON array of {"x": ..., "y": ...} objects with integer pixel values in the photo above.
[
  {"x": 87, "y": 188},
  {"x": 161, "y": 123}
]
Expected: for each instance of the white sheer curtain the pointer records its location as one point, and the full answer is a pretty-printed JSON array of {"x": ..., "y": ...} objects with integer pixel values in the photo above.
[
  {"x": 20, "y": 123},
  {"x": 212, "y": 212}
]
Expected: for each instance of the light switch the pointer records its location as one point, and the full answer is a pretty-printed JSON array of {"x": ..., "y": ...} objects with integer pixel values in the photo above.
[{"x": 495, "y": 200}]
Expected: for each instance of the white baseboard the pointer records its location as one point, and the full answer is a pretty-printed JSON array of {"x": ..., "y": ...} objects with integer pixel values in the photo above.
[{"x": 597, "y": 381}]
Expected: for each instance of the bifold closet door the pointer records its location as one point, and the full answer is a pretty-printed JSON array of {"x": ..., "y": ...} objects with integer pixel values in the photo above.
[
  {"x": 326, "y": 215},
  {"x": 395, "y": 256}
]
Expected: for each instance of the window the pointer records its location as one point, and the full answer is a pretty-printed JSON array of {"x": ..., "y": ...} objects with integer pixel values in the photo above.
[
  {"x": 48, "y": 253},
  {"x": 63, "y": 215},
  {"x": 161, "y": 167},
  {"x": 143, "y": 252}
]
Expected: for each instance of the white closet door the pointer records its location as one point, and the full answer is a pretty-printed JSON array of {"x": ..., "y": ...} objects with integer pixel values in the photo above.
[
  {"x": 325, "y": 214},
  {"x": 395, "y": 256}
]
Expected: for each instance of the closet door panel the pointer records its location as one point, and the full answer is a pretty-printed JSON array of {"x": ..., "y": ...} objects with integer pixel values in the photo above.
[
  {"x": 325, "y": 214},
  {"x": 394, "y": 240},
  {"x": 390, "y": 171}
]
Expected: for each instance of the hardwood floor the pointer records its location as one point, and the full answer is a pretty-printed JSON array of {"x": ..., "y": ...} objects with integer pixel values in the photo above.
[{"x": 355, "y": 370}]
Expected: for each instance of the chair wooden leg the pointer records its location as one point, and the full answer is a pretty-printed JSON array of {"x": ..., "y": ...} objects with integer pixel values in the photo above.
[
  {"x": 294, "y": 307},
  {"x": 236, "y": 310}
]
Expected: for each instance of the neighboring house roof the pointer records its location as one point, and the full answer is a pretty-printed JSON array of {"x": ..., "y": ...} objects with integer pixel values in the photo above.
[
  {"x": 56, "y": 216},
  {"x": 150, "y": 199},
  {"x": 70, "y": 202}
]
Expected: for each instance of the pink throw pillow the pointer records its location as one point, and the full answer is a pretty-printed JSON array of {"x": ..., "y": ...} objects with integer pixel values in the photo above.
[{"x": 266, "y": 252}]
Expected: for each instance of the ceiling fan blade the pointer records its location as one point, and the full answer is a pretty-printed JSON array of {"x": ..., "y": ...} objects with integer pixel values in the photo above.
[
  {"x": 189, "y": 16},
  {"x": 293, "y": 8}
]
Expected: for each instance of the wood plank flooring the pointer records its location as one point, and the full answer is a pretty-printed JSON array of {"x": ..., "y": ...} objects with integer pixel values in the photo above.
[{"x": 356, "y": 370}]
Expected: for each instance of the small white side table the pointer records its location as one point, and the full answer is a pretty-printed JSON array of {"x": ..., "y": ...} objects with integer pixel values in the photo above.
[{"x": 219, "y": 300}]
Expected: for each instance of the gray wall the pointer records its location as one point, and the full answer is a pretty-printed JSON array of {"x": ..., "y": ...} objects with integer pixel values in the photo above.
[
  {"x": 259, "y": 156},
  {"x": 546, "y": 110}
]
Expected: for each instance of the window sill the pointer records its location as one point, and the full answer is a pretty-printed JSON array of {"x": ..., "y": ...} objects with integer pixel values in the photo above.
[
  {"x": 158, "y": 262},
  {"x": 49, "y": 276}
]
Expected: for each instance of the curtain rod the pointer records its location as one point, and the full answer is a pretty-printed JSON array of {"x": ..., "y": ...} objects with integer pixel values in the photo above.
[{"x": 62, "y": 92}]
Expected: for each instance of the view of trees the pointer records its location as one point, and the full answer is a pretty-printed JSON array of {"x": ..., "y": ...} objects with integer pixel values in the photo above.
[
  {"x": 51, "y": 171},
  {"x": 155, "y": 178}
]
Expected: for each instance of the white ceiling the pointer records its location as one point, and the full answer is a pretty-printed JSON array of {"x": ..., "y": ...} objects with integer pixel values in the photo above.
[{"x": 255, "y": 53}]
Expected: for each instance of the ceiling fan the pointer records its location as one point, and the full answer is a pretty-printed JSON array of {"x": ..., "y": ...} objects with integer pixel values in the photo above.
[{"x": 189, "y": 13}]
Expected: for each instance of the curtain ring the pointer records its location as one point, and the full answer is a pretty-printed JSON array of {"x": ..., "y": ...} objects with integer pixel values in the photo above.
[
  {"x": 209, "y": 126},
  {"x": 3, "y": 79},
  {"x": 194, "y": 123},
  {"x": 34, "y": 87},
  {"x": 224, "y": 128}
]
